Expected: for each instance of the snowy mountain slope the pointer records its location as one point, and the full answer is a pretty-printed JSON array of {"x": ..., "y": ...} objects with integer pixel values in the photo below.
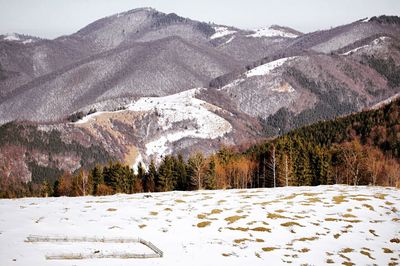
[
  {"x": 314, "y": 225},
  {"x": 177, "y": 117},
  {"x": 155, "y": 68},
  {"x": 291, "y": 91},
  {"x": 327, "y": 41}
]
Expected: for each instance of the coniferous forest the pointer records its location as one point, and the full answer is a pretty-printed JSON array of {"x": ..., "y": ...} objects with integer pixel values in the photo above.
[{"x": 360, "y": 149}]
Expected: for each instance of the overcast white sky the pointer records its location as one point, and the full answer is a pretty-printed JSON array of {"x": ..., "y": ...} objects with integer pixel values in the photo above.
[{"x": 52, "y": 18}]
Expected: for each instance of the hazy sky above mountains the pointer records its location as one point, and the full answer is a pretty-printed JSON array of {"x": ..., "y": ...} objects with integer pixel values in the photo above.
[{"x": 52, "y": 18}]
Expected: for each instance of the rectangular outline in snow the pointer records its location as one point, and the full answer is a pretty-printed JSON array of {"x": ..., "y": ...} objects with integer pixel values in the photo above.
[{"x": 78, "y": 256}]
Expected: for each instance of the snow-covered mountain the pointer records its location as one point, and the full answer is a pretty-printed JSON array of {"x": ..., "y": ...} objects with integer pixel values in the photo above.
[{"x": 138, "y": 74}]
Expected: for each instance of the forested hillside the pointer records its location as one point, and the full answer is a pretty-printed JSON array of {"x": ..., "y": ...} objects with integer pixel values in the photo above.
[{"x": 359, "y": 149}]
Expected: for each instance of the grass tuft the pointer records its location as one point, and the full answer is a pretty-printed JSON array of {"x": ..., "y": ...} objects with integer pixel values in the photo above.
[
  {"x": 261, "y": 229},
  {"x": 276, "y": 216},
  {"x": 290, "y": 224},
  {"x": 349, "y": 215},
  {"x": 387, "y": 250},
  {"x": 232, "y": 219},
  {"x": 216, "y": 211},
  {"x": 180, "y": 201},
  {"x": 369, "y": 207},
  {"x": 339, "y": 199},
  {"x": 347, "y": 250},
  {"x": 306, "y": 239},
  {"x": 268, "y": 249},
  {"x": 203, "y": 224},
  {"x": 201, "y": 216},
  {"x": 366, "y": 253}
]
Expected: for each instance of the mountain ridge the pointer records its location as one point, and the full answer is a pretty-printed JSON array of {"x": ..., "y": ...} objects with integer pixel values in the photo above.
[{"x": 261, "y": 83}]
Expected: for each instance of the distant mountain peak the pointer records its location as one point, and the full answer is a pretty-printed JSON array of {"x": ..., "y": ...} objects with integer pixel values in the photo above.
[{"x": 136, "y": 10}]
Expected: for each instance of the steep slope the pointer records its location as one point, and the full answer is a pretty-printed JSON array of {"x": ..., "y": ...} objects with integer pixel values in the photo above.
[
  {"x": 135, "y": 72},
  {"x": 331, "y": 40},
  {"x": 32, "y": 65},
  {"x": 155, "y": 68},
  {"x": 296, "y": 88},
  {"x": 143, "y": 129}
]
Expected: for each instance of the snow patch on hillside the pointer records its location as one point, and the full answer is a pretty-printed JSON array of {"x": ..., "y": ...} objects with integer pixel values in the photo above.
[
  {"x": 221, "y": 31},
  {"x": 91, "y": 117},
  {"x": 138, "y": 160},
  {"x": 15, "y": 37},
  {"x": 173, "y": 112},
  {"x": 230, "y": 40},
  {"x": 268, "y": 32},
  {"x": 375, "y": 42},
  {"x": 178, "y": 108},
  {"x": 11, "y": 37},
  {"x": 365, "y": 20},
  {"x": 268, "y": 67}
]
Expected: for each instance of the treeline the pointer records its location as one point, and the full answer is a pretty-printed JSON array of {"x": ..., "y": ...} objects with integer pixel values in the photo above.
[
  {"x": 360, "y": 149},
  {"x": 226, "y": 169},
  {"x": 51, "y": 143}
]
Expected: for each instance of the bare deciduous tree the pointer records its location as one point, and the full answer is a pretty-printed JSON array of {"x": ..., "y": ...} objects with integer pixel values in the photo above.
[{"x": 197, "y": 163}]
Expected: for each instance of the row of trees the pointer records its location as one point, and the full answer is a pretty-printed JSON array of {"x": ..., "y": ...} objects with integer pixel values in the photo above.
[
  {"x": 284, "y": 162},
  {"x": 223, "y": 170},
  {"x": 360, "y": 149}
]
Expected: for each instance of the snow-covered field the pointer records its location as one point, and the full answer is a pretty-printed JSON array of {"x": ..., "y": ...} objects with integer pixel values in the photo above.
[{"x": 298, "y": 225}]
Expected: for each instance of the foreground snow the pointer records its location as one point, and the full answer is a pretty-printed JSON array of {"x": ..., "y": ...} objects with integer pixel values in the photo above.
[{"x": 313, "y": 225}]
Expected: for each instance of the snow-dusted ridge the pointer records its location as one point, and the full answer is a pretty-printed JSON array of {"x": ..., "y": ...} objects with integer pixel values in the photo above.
[
  {"x": 375, "y": 42},
  {"x": 268, "y": 67},
  {"x": 221, "y": 31},
  {"x": 269, "y": 32},
  {"x": 261, "y": 70},
  {"x": 11, "y": 37},
  {"x": 302, "y": 225},
  {"x": 15, "y": 37}
]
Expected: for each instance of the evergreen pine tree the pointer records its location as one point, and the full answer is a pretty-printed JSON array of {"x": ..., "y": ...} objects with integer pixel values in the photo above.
[
  {"x": 211, "y": 175},
  {"x": 150, "y": 178}
]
